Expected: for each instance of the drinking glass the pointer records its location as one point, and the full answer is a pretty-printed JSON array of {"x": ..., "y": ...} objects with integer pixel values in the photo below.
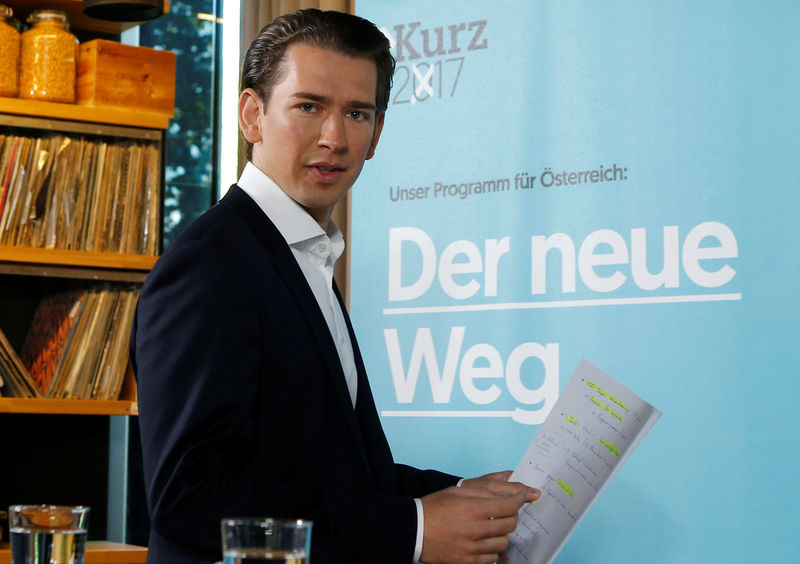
[
  {"x": 48, "y": 534},
  {"x": 250, "y": 540}
]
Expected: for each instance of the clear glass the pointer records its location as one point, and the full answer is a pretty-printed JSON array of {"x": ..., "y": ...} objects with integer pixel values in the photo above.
[
  {"x": 48, "y": 534},
  {"x": 264, "y": 540},
  {"x": 9, "y": 55},
  {"x": 49, "y": 55}
]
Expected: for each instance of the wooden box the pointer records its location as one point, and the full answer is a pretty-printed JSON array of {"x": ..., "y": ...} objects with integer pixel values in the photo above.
[{"x": 113, "y": 74}]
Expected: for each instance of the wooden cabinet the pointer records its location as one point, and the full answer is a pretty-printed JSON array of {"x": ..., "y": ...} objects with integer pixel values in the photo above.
[{"x": 24, "y": 271}]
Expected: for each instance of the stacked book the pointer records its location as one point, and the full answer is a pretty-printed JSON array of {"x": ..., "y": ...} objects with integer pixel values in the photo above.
[
  {"x": 79, "y": 192},
  {"x": 76, "y": 347}
]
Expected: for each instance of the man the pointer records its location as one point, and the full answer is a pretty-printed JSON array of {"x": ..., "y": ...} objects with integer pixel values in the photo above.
[{"x": 253, "y": 396}]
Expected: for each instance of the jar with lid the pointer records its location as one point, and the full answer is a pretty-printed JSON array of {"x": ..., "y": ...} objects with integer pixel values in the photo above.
[
  {"x": 49, "y": 58},
  {"x": 9, "y": 54}
]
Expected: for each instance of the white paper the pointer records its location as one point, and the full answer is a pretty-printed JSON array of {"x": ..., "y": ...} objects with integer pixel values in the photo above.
[{"x": 592, "y": 429}]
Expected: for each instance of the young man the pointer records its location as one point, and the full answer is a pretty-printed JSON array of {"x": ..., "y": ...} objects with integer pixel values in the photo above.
[{"x": 253, "y": 396}]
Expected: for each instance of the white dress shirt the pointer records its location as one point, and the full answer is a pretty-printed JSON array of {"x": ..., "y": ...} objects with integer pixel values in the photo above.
[{"x": 316, "y": 251}]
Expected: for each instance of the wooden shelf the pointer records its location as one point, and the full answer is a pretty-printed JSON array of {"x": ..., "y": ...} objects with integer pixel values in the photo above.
[
  {"x": 31, "y": 255},
  {"x": 74, "y": 10},
  {"x": 100, "y": 552},
  {"x": 113, "y": 267},
  {"x": 91, "y": 114},
  {"x": 68, "y": 406}
]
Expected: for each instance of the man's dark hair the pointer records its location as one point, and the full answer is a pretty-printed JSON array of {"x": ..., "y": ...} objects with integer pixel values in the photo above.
[{"x": 340, "y": 32}]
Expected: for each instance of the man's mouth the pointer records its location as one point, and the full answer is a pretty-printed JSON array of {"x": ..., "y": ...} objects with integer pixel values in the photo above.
[
  {"x": 326, "y": 172},
  {"x": 327, "y": 167}
]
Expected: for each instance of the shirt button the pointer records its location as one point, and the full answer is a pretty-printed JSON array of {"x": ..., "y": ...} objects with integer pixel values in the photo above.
[{"x": 322, "y": 247}]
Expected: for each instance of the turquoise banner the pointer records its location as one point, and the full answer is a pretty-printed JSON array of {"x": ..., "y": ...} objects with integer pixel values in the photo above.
[{"x": 613, "y": 181}]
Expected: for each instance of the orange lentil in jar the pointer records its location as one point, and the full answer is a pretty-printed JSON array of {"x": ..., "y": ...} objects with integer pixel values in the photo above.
[
  {"x": 9, "y": 55},
  {"x": 49, "y": 56}
]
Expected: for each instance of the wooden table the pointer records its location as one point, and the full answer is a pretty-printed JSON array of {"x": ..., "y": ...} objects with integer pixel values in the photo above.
[{"x": 99, "y": 552}]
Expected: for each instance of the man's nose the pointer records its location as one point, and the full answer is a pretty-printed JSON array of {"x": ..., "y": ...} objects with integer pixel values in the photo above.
[{"x": 332, "y": 134}]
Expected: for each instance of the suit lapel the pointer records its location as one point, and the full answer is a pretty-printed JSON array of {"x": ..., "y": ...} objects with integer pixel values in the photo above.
[
  {"x": 379, "y": 453},
  {"x": 285, "y": 264}
]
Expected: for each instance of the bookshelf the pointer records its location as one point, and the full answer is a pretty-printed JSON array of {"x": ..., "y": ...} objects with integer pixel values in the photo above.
[
  {"x": 87, "y": 263},
  {"x": 26, "y": 272}
]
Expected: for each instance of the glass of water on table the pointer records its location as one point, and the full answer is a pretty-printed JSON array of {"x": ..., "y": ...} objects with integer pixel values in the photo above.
[
  {"x": 48, "y": 534},
  {"x": 251, "y": 540}
]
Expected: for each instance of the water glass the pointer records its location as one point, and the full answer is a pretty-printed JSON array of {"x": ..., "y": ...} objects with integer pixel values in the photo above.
[
  {"x": 48, "y": 534},
  {"x": 262, "y": 540}
]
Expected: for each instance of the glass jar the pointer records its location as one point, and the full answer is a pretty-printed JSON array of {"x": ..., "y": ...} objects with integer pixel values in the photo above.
[
  {"x": 9, "y": 55},
  {"x": 49, "y": 58}
]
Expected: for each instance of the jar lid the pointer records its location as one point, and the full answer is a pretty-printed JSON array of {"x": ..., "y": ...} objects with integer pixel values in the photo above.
[{"x": 54, "y": 16}]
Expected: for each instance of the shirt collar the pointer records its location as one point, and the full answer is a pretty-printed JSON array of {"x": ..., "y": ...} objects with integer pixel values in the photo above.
[{"x": 293, "y": 222}]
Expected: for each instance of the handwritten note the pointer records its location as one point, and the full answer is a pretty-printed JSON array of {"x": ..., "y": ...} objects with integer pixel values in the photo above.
[{"x": 592, "y": 429}]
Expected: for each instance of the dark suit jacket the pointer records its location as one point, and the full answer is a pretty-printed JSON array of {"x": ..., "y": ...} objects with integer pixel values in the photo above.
[{"x": 244, "y": 410}]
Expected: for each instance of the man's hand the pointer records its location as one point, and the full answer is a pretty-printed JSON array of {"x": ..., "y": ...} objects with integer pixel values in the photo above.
[
  {"x": 471, "y": 524},
  {"x": 497, "y": 483}
]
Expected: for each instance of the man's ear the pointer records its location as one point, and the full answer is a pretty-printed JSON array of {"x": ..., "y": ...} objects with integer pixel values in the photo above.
[
  {"x": 376, "y": 134},
  {"x": 249, "y": 112}
]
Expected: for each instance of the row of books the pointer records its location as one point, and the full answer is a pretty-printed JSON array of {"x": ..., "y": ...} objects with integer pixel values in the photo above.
[
  {"x": 71, "y": 191},
  {"x": 76, "y": 346}
]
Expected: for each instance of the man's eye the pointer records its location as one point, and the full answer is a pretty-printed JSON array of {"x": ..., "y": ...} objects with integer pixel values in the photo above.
[
  {"x": 359, "y": 115},
  {"x": 308, "y": 107}
]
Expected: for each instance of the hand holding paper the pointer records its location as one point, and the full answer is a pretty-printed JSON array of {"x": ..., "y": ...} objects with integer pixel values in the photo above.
[
  {"x": 468, "y": 524},
  {"x": 498, "y": 483},
  {"x": 590, "y": 432}
]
